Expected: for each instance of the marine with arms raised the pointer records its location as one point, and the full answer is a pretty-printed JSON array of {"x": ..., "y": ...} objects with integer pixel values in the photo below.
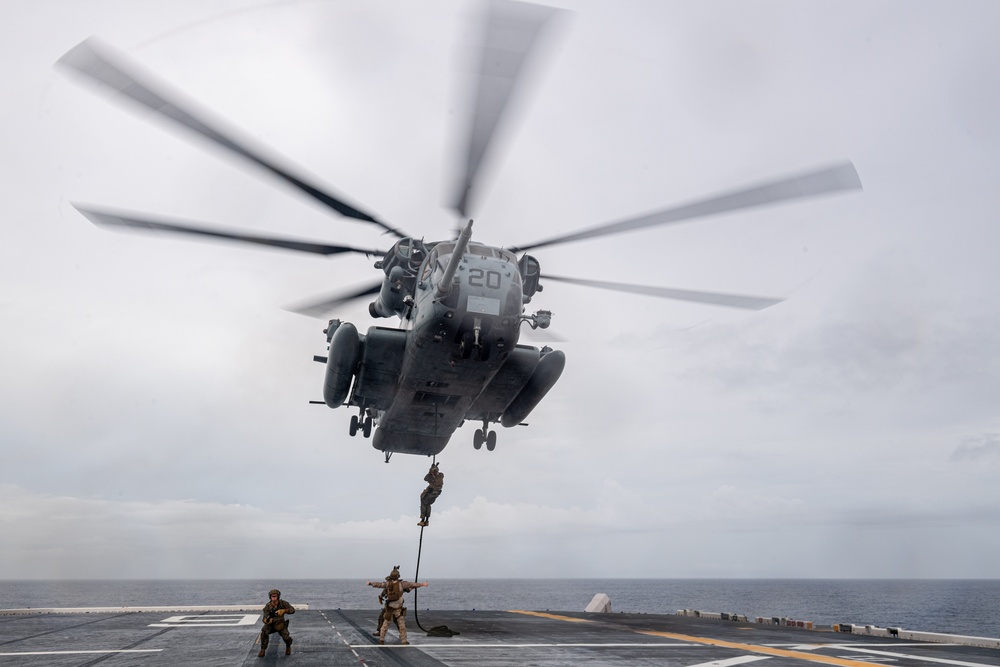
[{"x": 394, "y": 610}]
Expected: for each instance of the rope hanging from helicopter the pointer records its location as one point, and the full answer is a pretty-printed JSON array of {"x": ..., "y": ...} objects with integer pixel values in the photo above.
[
  {"x": 416, "y": 572},
  {"x": 438, "y": 630},
  {"x": 416, "y": 577}
]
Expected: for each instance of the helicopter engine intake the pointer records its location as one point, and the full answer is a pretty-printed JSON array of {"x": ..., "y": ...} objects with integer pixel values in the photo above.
[{"x": 390, "y": 298}]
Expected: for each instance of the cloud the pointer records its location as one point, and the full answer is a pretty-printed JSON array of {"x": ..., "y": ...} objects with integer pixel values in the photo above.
[
  {"x": 155, "y": 416},
  {"x": 623, "y": 534},
  {"x": 984, "y": 448}
]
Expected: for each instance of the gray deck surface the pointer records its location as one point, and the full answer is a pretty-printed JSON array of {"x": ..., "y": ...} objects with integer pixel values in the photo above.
[{"x": 489, "y": 638}]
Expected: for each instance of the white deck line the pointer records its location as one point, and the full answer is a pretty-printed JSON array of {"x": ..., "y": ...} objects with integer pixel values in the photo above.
[
  {"x": 923, "y": 658},
  {"x": 122, "y": 610},
  {"x": 124, "y": 650}
]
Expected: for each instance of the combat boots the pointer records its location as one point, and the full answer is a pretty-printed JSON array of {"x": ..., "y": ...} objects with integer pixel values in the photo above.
[{"x": 260, "y": 653}]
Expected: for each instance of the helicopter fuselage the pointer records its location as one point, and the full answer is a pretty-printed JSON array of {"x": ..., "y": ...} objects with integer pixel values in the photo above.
[{"x": 456, "y": 357}]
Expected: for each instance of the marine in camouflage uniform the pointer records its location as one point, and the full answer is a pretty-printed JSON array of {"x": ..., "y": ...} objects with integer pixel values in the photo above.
[
  {"x": 394, "y": 609},
  {"x": 275, "y": 612},
  {"x": 435, "y": 482}
]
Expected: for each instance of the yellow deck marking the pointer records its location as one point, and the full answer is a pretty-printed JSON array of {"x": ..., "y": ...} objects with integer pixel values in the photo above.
[
  {"x": 753, "y": 648},
  {"x": 553, "y": 616}
]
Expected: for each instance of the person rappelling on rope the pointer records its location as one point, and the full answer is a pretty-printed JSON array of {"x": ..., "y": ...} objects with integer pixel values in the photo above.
[
  {"x": 435, "y": 482},
  {"x": 394, "y": 609}
]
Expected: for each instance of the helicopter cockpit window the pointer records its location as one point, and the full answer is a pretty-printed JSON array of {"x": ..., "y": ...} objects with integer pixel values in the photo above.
[
  {"x": 438, "y": 259},
  {"x": 495, "y": 253},
  {"x": 413, "y": 251},
  {"x": 407, "y": 253},
  {"x": 479, "y": 249}
]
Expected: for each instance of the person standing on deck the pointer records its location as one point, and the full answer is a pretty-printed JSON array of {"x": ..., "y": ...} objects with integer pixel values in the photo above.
[{"x": 394, "y": 609}]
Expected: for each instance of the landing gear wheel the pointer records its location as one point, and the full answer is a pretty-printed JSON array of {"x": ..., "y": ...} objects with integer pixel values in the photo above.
[
  {"x": 354, "y": 425},
  {"x": 478, "y": 438},
  {"x": 491, "y": 441},
  {"x": 367, "y": 428},
  {"x": 466, "y": 345}
]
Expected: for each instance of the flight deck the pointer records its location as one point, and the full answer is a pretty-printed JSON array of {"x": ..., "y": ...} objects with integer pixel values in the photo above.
[{"x": 226, "y": 636}]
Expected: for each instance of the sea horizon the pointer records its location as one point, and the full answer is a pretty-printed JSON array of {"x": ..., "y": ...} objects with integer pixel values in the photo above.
[{"x": 956, "y": 606}]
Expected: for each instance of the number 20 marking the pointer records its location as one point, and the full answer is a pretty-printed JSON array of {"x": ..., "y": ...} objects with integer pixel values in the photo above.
[{"x": 492, "y": 278}]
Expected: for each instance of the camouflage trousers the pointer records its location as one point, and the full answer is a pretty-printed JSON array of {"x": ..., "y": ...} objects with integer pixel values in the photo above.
[
  {"x": 397, "y": 614},
  {"x": 427, "y": 498},
  {"x": 280, "y": 627}
]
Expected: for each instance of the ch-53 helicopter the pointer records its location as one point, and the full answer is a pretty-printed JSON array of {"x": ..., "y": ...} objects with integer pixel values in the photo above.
[{"x": 456, "y": 355}]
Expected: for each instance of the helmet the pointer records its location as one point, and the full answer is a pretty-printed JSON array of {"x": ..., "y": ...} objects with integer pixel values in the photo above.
[
  {"x": 394, "y": 574},
  {"x": 274, "y": 591}
]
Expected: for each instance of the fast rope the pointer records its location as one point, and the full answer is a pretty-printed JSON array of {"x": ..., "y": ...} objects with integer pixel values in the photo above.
[
  {"x": 437, "y": 630},
  {"x": 416, "y": 578},
  {"x": 416, "y": 573}
]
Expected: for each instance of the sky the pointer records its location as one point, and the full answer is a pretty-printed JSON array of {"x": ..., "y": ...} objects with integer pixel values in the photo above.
[{"x": 154, "y": 410}]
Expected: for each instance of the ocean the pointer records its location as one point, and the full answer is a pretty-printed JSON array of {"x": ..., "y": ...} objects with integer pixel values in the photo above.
[{"x": 965, "y": 607}]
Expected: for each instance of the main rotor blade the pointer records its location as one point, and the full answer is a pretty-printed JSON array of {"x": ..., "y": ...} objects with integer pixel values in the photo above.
[
  {"x": 714, "y": 298},
  {"x": 322, "y": 306},
  {"x": 99, "y": 64},
  {"x": 117, "y": 219},
  {"x": 810, "y": 184},
  {"x": 512, "y": 32}
]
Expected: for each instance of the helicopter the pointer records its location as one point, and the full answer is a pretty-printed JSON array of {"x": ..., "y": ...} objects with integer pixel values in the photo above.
[{"x": 456, "y": 355}]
